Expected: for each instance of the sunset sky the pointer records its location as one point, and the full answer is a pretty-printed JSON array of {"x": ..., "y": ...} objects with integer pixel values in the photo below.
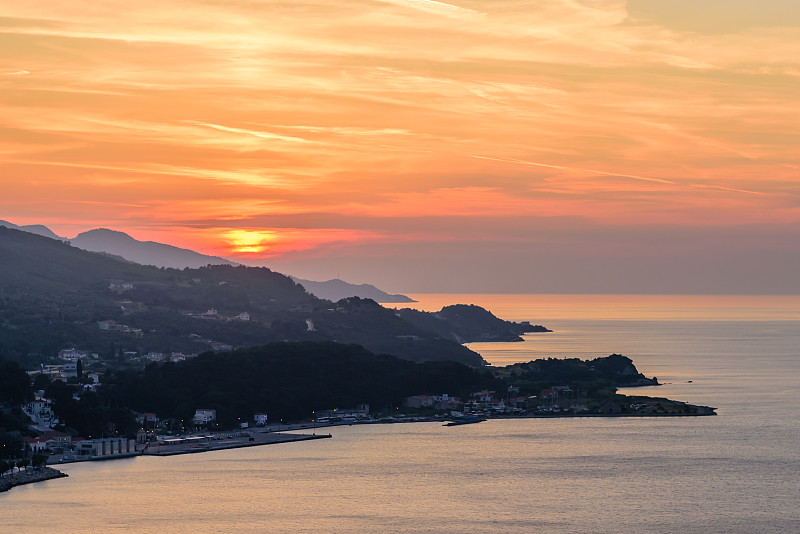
[{"x": 532, "y": 146}]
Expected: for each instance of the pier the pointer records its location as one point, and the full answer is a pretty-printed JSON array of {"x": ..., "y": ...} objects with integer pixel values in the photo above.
[{"x": 205, "y": 443}]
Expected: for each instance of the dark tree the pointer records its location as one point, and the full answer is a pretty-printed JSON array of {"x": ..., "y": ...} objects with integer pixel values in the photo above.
[
  {"x": 15, "y": 385},
  {"x": 39, "y": 460}
]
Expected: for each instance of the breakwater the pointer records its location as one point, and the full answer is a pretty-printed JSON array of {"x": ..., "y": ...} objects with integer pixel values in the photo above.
[
  {"x": 29, "y": 476},
  {"x": 248, "y": 440}
]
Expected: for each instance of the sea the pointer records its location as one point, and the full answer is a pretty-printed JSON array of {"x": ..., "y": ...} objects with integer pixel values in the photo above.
[{"x": 737, "y": 472}]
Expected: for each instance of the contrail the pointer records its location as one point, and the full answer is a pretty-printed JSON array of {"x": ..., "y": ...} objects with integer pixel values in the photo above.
[
  {"x": 723, "y": 188},
  {"x": 633, "y": 176},
  {"x": 107, "y": 203},
  {"x": 254, "y": 133},
  {"x": 561, "y": 167},
  {"x": 431, "y": 6}
]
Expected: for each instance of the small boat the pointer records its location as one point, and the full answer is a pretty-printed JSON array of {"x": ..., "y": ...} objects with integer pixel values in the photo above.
[{"x": 466, "y": 420}]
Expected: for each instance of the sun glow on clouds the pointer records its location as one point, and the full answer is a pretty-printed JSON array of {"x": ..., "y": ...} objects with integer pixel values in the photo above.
[
  {"x": 249, "y": 241},
  {"x": 210, "y": 123},
  {"x": 249, "y": 244}
]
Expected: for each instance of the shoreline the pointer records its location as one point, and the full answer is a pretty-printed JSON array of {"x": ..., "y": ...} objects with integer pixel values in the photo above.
[{"x": 270, "y": 436}]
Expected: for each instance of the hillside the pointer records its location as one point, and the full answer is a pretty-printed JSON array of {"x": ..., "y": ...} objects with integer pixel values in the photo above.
[
  {"x": 55, "y": 296},
  {"x": 288, "y": 380},
  {"x": 469, "y": 323}
]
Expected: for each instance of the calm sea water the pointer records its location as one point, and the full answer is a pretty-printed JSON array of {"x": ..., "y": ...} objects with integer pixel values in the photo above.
[{"x": 737, "y": 472}]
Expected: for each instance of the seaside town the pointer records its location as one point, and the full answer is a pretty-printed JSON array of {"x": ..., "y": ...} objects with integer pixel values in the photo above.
[{"x": 47, "y": 438}]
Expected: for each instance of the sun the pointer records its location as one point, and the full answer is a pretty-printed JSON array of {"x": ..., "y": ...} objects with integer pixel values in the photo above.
[{"x": 249, "y": 241}]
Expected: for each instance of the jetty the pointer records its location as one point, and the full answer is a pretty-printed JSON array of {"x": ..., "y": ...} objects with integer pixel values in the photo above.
[
  {"x": 214, "y": 442},
  {"x": 29, "y": 476}
]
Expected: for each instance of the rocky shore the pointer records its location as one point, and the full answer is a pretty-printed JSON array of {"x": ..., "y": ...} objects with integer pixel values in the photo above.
[{"x": 29, "y": 476}]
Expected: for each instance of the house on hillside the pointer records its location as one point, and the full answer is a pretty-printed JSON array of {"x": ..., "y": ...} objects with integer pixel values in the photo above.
[
  {"x": 148, "y": 418},
  {"x": 203, "y": 416},
  {"x": 41, "y": 412},
  {"x": 72, "y": 355},
  {"x": 71, "y": 370}
]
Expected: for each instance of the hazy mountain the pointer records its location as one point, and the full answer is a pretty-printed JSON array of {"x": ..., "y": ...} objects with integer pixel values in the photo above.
[
  {"x": 339, "y": 289},
  {"x": 38, "y": 229},
  {"x": 143, "y": 252},
  {"x": 124, "y": 246}
]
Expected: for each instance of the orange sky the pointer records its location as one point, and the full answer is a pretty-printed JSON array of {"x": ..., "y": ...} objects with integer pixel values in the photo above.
[{"x": 319, "y": 136}]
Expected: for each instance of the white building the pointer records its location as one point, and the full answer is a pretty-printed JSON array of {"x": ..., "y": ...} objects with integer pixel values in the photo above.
[
  {"x": 41, "y": 413},
  {"x": 105, "y": 447},
  {"x": 261, "y": 419},
  {"x": 71, "y": 370},
  {"x": 72, "y": 355},
  {"x": 203, "y": 416}
]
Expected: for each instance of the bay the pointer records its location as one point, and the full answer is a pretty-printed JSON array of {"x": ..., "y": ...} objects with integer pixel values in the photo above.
[{"x": 736, "y": 472}]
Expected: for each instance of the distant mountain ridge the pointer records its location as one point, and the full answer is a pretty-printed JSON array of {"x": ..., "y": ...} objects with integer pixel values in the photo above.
[
  {"x": 38, "y": 229},
  {"x": 122, "y": 245},
  {"x": 143, "y": 252},
  {"x": 337, "y": 289}
]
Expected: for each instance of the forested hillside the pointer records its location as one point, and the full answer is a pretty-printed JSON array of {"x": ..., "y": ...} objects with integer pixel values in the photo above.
[{"x": 54, "y": 296}]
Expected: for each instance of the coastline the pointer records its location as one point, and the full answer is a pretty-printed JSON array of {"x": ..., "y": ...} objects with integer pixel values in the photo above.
[
  {"x": 268, "y": 436},
  {"x": 29, "y": 476}
]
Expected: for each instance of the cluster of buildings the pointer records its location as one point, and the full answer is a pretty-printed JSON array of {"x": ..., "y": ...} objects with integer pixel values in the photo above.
[
  {"x": 485, "y": 402},
  {"x": 554, "y": 399},
  {"x": 75, "y": 362},
  {"x": 212, "y": 313},
  {"x": 168, "y": 357},
  {"x": 75, "y": 448},
  {"x": 120, "y": 286},
  {"x": 113, "y": 326},
  {"x": 347, "y": 415}
]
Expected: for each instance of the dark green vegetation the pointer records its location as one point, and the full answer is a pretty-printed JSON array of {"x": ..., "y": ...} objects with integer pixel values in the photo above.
[
  {"x": 573, "y": 386},
  {"x": 54, "y": 296},
  {"x": 287, "y": 380},
  {"x": 290, "y": 381},
  {"x": 467, "y": 323},
  {"x": 15, "y": 389},
  {"x": 592, "y": 376}
]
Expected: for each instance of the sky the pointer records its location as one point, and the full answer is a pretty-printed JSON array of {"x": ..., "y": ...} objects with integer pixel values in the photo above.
[{"x": 589, "y": 146}]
